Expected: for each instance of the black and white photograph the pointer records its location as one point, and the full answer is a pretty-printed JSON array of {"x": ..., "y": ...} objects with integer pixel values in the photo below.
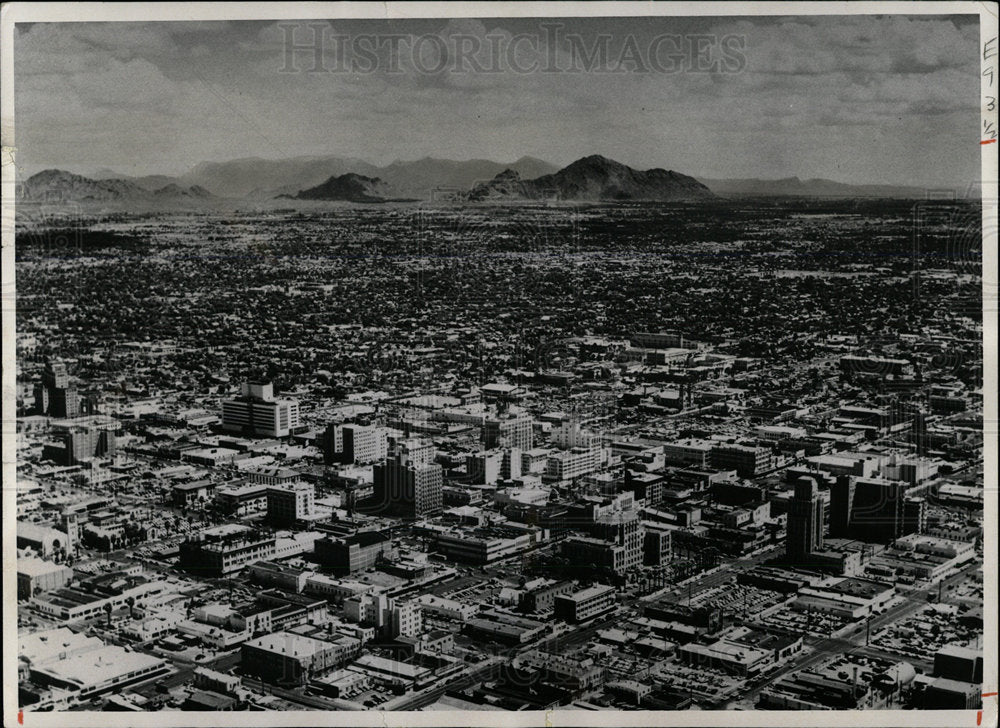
[{"x": 509, "y": 364}]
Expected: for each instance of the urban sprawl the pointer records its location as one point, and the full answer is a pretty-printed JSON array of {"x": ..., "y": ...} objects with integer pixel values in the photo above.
[{"x": 514, "y": 458}]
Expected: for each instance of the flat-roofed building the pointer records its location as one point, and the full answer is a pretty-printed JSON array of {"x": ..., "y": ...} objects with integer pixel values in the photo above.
[
  {"x": 690, "y": 451},
  {"x": 100, "y": 670},
  {"x": 542, "y": 599},
  {"x": 850, "y": 598},
  {"x": 289, "y": 503},
  {"x": 923, "y": 556},
  {"x": 406, "y": 488},
  {"x": 569, "y": 464},
  {"x": 514, "y": 430},
  {"x": 747, "y": 460},
  {"x": 272, "y": 574},
  {"x": 957, "y": 662},
  {"x": 355, "y": 553},
  {"x": 585, "y": 604},
  {"x": 241, "y": 500},
  {"x": 286, "y": 657},
  {"x": 258, "y": 412},
  {"x": 226, "y": 550},
  {"x": 37, "y": 576}
]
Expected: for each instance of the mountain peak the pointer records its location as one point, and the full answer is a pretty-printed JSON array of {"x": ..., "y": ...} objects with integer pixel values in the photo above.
[
  {"x": 57, "y": 185},
  {"x": 592, "y": 178},
  {"x": 350, "y": 187}
]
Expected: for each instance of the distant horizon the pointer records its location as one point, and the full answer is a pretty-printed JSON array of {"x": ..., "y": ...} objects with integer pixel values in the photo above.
[{"x": 97, "y": 169}]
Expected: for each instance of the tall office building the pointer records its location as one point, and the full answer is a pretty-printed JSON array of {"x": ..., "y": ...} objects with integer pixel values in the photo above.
[
  {"x": 406, "y": 487},
  {"x": 415, "y": 451},
  {"x": 258, "y": 412},
  {"x": 841, "y": 500},
  {"x": 354, "y": 444},
  {"x": 570, "y": 435},
  {"x": 82, "y": 440},
  {"x": 805, "y": 521},
  {"x": 56, "y": 396},
  {"x": 511, "y": 431},
  {"x": 289, "y": 503},
  {"x": 872, "y": 509}
]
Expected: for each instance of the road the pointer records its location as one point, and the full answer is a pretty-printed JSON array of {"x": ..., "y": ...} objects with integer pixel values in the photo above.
[
  {"x": 825, "y": 648},
  {"x": 727, "y": 570},
  {"x": 488, "y": 670}
]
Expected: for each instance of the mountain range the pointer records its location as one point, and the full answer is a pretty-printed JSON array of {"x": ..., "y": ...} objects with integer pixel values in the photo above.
[
  {"x": 795, "y": 187},
  {"x": 56, "y": 185},
  {"x": 592, "y": 178},
  {"x": 258, "y": 178}
]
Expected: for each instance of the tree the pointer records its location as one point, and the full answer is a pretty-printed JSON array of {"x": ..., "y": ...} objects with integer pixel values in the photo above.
[
  {"x": 108, "y": 609},
  {"x": 131, "y": 607}
]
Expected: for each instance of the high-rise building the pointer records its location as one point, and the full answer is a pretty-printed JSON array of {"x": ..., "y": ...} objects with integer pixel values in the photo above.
[
  {"x": 56, "y": 396},
  {"x": 570, "y": 435},
  {"x": 914, "y": 516},
  {"x": 258, "y": 412},
  {"x": 510, "y": 464},
  {"x": 512, "y": 431},
  {"x": 291, "y": 502},
  {"x": 414, "y": 451},
  {"x": 407, "y": 489},
  {"x": 872, "y": 509},
  {"x": 77, "y": 443},
  {"x": 483, "y": 468},
  {"x": 354, "y": 444},
  {"x": 841, "y": 500},
  {"x": 805, "y": 521}
]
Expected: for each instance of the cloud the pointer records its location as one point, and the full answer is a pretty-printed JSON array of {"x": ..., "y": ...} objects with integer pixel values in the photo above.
[{"x": 145, "y": 93}]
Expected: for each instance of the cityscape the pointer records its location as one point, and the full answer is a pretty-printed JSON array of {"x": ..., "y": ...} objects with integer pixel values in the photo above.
[{"x": 539, "y": 437}]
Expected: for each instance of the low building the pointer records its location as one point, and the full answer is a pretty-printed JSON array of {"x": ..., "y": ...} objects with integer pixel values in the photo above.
[
  {"x": 576, "y": 674},
  {"x": 923, "y": 556},
  {"x": 500, "y": 627},
  {"x": 226, "y": 550},
  {"x": 37, "y": 576},
  {"x": 744, "y": 652},
  {"x": 286, "y": 657},
  {"x": 185, "y": 495},
  {"x": 585, "y": 604},
  {"x": 99, "y": 670},
  {"x": 542, "y": 599},
  {"x": 849, "y": 598},
  {"x": 272, "y": 574}
]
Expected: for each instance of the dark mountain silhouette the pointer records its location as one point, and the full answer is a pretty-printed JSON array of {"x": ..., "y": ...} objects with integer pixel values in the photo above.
[
  {"x": 594, "y": 178},
  {"x": 348, "y": 188},
  {"x": 56, "y": 185}
]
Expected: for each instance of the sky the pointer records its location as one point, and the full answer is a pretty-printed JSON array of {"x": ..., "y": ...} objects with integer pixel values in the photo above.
[{"x": 862, "y": 99}]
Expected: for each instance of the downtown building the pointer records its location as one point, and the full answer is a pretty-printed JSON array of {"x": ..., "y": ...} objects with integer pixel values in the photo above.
[
  {"x": 226, "y": 550},
  {"x": 289, "y": 503},
  {"x": 354, "y": 444},
  {"x": 512, "y": 431},
  {"x": 56, "y": 395},
  {"x": 407, "y": 485},
  {"x": 874, "y": 510},
  {"x": 805, "y": 522},
  {"x": 81, "y": 440},
  {"x": 258, "y": 412}
]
